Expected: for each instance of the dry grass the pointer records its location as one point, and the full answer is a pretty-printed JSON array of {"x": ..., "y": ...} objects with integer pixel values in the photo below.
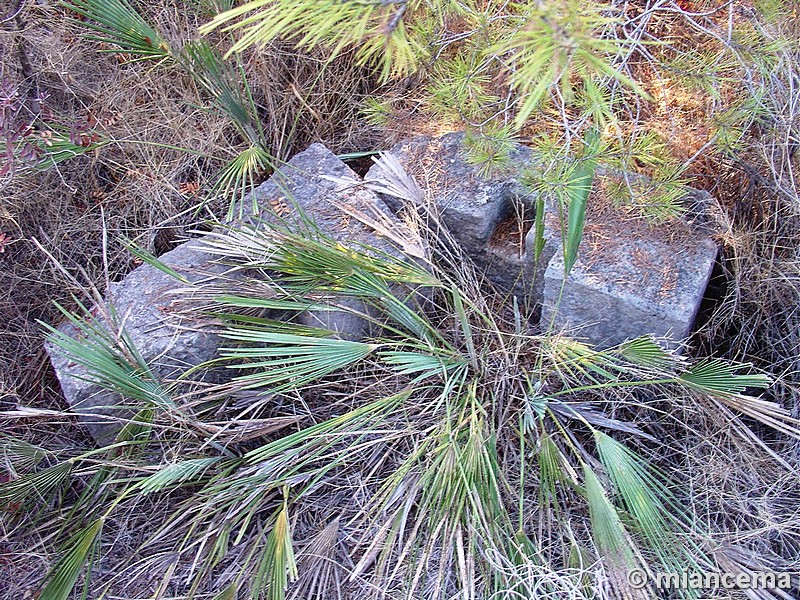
[
  {"x": 143, "y": 191},
  {"x": 149, "y": 193}
]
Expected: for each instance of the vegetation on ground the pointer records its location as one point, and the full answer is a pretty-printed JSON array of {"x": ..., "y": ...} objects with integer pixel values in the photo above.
[{"x": 458, "y": 451}]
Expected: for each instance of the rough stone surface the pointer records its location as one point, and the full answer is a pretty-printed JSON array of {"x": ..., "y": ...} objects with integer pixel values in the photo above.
[
  {"x": 171, "y": 334},
  {"x": 629, "y": 280},
  {"x": 168, "y": 334},
  {"x": 483, "y": 213},
  {"x": 316, "y": 181}
]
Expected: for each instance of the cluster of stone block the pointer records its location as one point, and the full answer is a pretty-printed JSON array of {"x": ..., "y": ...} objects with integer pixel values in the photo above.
[{"x": 629, "y": 279}]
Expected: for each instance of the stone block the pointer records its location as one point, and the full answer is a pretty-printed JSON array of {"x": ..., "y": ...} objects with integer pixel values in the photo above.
[
  {"x": 169, "y": 329},
  {"x": 629, "y": 280},
  {"x": 320, "y": 185},
  {"x": 169, "y": 334},
  {"x": 488, "y": 215}
]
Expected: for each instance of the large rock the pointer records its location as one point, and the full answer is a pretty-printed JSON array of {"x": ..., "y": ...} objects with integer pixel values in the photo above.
[
  {"x": 630, "y": 279},
  {"x": 488, "y": 215},
  {"x": 315, "y": 184},
  {"x": 169, "y": 329},
  {"x": 169, "y": 335}
]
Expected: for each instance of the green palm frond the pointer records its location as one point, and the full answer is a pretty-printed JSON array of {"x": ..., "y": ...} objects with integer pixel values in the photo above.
[
  {"x": 65, "y": 574},
  {"x": 211, "y": 8},
  {"x": 316, "y": 564},
  {"x": 656, "y": 512},
  {"x": 112, "y": 362},
  {"x": 118, "y": 23},
  {"x": 422, "y": 365},
  {"x": 267, "y": 303},
  {"x": 553, "y": 469},
  {"x": 178, "y": 473},
  {"x": 453, "y": 477},
  {"x": 358, "y": 270},
  {"x": 20, "y": 454},
  {"x": 284, "y": 361},
  {"x": 718, "y": 377},
  {"x": 646, "y": 352},
  {"x": 40, "y": 485},
  {"x": 277, "y": 566},
  {"x": 311, "y": 267},
  {"x": 240, "y": 177},
  {"x": 323, "y": 264},
  {"x": 322, "y": 432},
  {"x": 575, "y": 362},
  {"x": 310, "y": 258},
  {"x": 226, "y": 85},
  {"x": 59, "y": 146},
  {"x": 608, "y": 532},
  {"x": 136, "y": 430}
]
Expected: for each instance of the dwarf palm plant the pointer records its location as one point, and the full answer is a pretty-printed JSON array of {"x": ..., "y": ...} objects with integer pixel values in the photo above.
[
  {"x": 450, "y": 450},
  {"x": 118, "y": 25}
]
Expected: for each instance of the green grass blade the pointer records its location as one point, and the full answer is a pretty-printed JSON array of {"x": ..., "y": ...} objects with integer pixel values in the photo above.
[
  {"x": 466, "y": 327},
  {"x": 277, "y": 566},
  {"x": 228, "y": 593},
  {"x": 577, "y": 192},
  {"x": 149, "y": 259},
  {"x": 538, "y": 228}
]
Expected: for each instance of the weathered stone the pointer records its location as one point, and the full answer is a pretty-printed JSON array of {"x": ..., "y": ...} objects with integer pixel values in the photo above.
[
  {"x": 629, "y": 280},
  {"x": 160, "y": 324},
  {"x": 487, "y": 215},
  {"x": 327, "y": 191},
  {"x": 169, "y": 329}
]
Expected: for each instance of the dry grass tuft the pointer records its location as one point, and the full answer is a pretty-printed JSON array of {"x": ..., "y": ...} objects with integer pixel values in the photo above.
[{"x": 145, "y": 186}]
